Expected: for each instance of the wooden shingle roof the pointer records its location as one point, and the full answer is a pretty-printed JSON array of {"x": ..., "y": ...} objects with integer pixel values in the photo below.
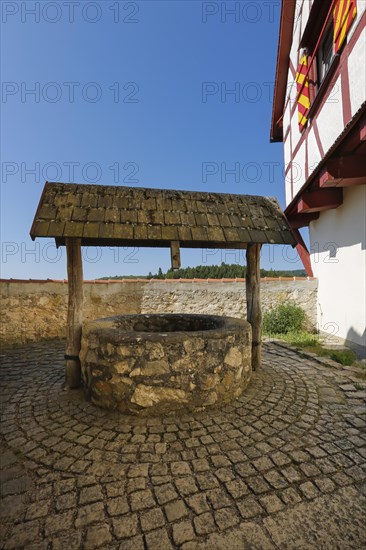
[{"x": 125, "y": 216}]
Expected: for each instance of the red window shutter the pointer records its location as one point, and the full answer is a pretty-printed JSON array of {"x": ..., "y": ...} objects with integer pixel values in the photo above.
[
  {"x": 302, "y": 88},
  {"x": 343, "y": 15}
]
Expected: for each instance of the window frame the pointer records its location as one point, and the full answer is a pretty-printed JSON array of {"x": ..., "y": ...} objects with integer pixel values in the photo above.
[
  {"x": 317, "y": 85},
  {"x": 325, "y": 54}
]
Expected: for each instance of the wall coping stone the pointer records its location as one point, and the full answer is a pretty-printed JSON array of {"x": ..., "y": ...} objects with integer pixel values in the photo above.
[{"x": 114, "y": 281}]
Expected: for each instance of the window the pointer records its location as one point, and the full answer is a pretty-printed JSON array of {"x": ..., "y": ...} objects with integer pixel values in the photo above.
[{"x": 325, "y": 54}]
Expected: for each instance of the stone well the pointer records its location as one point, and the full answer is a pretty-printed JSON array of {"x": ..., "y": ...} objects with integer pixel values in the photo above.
[{"x": 162, "y": 363}]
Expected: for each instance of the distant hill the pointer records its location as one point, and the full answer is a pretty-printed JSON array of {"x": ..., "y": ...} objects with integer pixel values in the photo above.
[{"x": 223, "y": 271}]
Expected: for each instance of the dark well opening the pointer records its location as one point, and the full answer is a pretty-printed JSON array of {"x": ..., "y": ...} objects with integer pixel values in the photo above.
[{"x": 168, "y": 323}]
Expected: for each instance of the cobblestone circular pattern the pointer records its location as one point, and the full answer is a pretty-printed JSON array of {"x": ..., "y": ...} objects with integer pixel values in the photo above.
[
  {"x": 77, "y": 476},
  {"x": 163, "y": 363}
]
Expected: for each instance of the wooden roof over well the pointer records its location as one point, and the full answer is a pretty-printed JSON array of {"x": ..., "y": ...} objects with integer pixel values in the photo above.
[{"x": 125, "y": 216}]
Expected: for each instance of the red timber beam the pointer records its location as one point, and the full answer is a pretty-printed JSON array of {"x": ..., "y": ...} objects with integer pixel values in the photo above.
[
  {"x": 301, "y": 247},
  {"x": 302, "y": 220},
  {"x": 343, "y": 172},
  {"x": 356, "y": 137},
  {"x": 363, "y": 128},
  {"x": 317, "y": 201},
  {"x": 303, "y": 252}
]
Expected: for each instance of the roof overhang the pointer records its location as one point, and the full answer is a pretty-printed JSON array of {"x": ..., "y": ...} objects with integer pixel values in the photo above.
[{"x": 282, "y": 66}]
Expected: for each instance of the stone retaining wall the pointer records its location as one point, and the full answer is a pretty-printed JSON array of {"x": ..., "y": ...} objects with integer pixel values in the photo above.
[{"x": 35, "y": 310}]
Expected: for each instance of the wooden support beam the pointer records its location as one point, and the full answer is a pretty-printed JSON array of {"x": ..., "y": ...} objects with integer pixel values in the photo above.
[
  {"x": 254, "y": 310},
  {"x": 74, "y": 312},
  {"x": 175, "y": 254},
  {"x": 302, "y": 220},
  {"x": 318, "y": 201},
  {"x": 343, "y": 172},
  {"x": 363, "y": 128},
  {"x": 303, "y": 252}
]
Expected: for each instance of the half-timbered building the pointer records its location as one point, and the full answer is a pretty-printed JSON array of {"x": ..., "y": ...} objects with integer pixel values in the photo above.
[{"x": 319, "y": 113}]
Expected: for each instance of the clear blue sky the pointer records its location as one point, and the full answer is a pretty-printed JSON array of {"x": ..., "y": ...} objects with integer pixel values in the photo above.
[{"x": 143, "y": 91}]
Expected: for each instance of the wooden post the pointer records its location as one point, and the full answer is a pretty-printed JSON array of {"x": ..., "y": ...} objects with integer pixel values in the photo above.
[
  {"x": 175, "y": 254},
  {"x": 254, "y": 311},
  {"x": 74, "y": 312}
]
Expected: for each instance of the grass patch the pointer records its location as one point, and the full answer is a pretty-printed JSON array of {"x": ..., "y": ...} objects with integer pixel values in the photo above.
[
  {"x": 344, "y": 357},
  {"x": 313, "y": 343},
  {"x": 299, "y": 339}
]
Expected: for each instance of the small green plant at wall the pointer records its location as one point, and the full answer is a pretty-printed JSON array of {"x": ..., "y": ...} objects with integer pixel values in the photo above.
[{"x": 283, "y": 319}]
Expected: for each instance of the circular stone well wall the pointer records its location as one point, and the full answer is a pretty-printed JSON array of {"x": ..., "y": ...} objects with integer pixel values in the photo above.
[{"x": 162, "y": 363}]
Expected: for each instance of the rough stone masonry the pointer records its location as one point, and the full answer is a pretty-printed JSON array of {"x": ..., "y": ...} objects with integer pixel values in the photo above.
[
  {"x": 160, "y": 364},
  {"x": 32, "y": 310}
]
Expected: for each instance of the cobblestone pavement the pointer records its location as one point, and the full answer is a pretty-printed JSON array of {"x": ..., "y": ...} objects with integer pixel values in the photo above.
[{"x": 282, "y": 467}]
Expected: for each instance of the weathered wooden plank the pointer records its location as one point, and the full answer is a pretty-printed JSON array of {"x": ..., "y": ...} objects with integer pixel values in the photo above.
[
  {"x": 254, "y": 310},
  {"x": 74, "y": 312},
  {"x": 175, "y": 254}
]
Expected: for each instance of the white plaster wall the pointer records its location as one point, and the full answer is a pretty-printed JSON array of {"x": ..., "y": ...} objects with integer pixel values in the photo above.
[
  {"x": 342, "y": 279},
  {"x": 357, "y": 73},
  {"x": 296, "y": 134},
  {"x": 287, "y": 121},
  {"x": 298, "y": 169},
  {"x": 305, "y": 14},
  {"x": 361, "y": 8},
  {"x": 330, "y": 125},
  {"x": 330, "y": 118},
  {"x": 298, "y": 6},
  {"x": 287, "y": 149},
  {"x": 294, "y": 54},
  {"x": 287, "y": 111},
  {"x": 314, "y": 156},
  {"x": 292, "y": 94}
]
